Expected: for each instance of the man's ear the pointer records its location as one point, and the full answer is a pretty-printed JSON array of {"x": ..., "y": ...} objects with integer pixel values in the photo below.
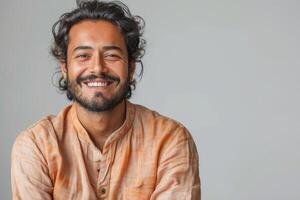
[
  {"x": 63, "y": 69},
  {"x": 131, "y": 70}
]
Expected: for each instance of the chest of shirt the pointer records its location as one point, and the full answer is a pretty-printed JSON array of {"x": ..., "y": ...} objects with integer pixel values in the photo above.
[{"x": 126, "y": 167}]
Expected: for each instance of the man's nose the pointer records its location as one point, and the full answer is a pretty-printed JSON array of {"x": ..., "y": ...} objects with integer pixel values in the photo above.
[{"x": 99, "y": 65}]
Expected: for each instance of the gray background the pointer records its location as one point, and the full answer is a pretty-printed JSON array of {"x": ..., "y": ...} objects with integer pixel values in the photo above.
[{"x": 228, "y": 70}]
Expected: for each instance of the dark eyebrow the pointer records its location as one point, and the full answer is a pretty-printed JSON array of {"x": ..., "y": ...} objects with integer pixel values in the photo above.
[
  {"x": 105, "y": 48},
  {"x": 81, "y": 48},
  {"x": 112, "y": 47}
]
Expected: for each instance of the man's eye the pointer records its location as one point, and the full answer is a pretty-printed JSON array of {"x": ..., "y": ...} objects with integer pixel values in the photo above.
[
  {"x": 82, "y": 56},
  {"x": 113, "y": 57}
]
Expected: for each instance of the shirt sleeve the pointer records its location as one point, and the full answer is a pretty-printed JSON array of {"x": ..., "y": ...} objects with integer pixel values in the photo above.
[
  {"x": 29, "y": 172},
  {"x": 178, "y": 170}
]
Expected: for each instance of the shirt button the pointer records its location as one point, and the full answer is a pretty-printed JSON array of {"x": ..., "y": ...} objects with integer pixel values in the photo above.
[{"x": 103, "y": 191}]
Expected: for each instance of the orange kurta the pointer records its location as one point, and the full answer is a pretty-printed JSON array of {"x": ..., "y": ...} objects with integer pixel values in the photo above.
[{"x": 149, "y": 157}]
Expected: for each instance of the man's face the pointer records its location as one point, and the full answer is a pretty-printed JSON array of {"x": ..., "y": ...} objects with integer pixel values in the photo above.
[{"x": 97, "y": 65}]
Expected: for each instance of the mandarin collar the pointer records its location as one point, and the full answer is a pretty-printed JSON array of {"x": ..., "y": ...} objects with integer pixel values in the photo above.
[{"x": 83, "y": 134}]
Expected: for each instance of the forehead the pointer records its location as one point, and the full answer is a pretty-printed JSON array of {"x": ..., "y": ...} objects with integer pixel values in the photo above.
[{"x": 95, "y": 33}]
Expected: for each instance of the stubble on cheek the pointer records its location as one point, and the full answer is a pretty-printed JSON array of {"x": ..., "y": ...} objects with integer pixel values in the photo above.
[{"x": 76, "y": 89}]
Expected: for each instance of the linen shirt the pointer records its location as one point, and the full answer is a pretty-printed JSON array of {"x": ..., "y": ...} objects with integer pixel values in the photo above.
[{"x": 149, "y": 157}]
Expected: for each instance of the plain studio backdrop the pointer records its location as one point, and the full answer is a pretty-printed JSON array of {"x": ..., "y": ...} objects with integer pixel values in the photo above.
[{"x": 228, "y": 70}]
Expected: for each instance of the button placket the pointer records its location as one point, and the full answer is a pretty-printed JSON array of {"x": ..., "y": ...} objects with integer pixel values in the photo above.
[
  {"x": 104, "y": 173},
  {"x": 102, "y": 182},
  {"x": 102, "y": 189},
  {"x": 102, "y": 169}
]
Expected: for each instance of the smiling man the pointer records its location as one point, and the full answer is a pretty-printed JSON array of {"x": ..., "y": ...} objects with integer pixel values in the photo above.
[{"x": 102, "y": 146}]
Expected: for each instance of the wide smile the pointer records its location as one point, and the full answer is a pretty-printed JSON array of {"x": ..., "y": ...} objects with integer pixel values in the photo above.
[{"x": 98, "y": 84}]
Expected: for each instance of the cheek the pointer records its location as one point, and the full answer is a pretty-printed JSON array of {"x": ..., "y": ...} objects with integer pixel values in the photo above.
[
  {"x": 122, "y": 72},
  {"x": 75, "y": 71}
]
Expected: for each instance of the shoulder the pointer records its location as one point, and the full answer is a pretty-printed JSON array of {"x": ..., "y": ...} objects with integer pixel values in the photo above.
[
  {"x": 41, "y": 134},
  {"x": 165, "y": 134},
  {"x": 40, "y": 130},
  {"x": 30, "y": 142},
  {"x": 159, "y": 125}
]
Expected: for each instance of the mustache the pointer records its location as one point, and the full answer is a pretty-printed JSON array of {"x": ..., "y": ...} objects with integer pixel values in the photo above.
[{"x": 102, "y": 76}]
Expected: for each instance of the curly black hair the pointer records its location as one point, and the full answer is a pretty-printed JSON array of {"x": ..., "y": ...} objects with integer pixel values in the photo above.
[{"x": 114, "y": 12}]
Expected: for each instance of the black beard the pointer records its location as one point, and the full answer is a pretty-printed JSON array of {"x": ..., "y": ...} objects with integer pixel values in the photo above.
[{"x": 94, "y": 105}]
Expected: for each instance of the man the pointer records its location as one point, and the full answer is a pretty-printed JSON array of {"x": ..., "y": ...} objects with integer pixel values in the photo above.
[{"x": 102, "y": 146}]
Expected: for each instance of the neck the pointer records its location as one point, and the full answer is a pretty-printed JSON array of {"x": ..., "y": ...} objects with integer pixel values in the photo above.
[{"x": 100, "y": 125}]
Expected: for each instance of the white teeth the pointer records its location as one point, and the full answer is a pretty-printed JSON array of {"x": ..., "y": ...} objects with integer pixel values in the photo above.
[{"x": 97, "y": 84}]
